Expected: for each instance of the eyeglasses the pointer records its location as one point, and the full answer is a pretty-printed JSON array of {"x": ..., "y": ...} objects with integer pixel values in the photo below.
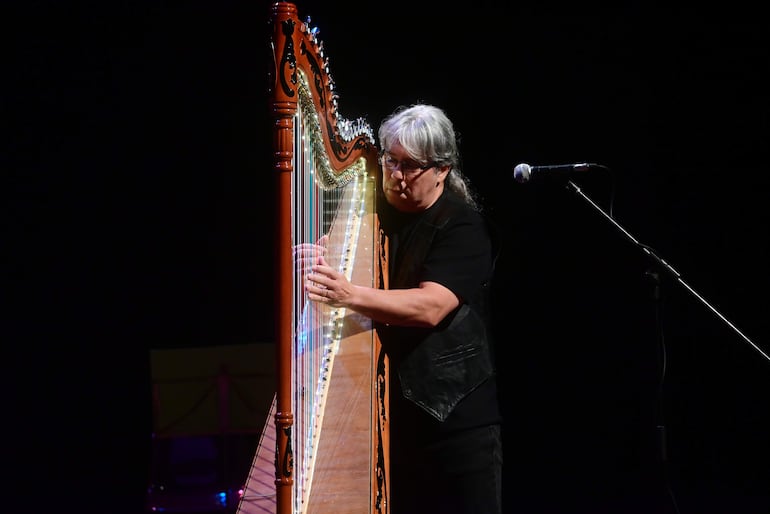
[{"x": 409, "y": 169}]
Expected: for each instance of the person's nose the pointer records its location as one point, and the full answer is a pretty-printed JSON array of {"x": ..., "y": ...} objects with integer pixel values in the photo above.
[{"x": 393, "y": 172}]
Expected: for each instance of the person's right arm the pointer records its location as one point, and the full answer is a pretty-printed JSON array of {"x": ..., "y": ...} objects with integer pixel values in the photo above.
[{"x": 423, "y": 306}]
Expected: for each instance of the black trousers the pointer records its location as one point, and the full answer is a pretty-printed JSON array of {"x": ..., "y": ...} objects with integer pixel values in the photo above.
[{"x": 452, "y": 473}]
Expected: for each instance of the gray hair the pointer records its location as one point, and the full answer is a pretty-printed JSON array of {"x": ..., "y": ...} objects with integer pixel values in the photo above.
[{"x": 427, "y": 135}]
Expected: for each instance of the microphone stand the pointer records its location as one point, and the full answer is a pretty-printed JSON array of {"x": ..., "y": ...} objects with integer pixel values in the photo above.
[
  {"x": 666, "y": 267},
  {"x": 654, "y": 279}
]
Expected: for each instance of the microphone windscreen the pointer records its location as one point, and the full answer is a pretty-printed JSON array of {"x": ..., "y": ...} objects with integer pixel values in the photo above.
[{"x": 522, "y": 172}]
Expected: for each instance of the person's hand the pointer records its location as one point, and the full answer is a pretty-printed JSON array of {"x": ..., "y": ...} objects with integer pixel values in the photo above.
[
  {"x": 328, "y": 286},
  {"x": 307, "y": 254}
]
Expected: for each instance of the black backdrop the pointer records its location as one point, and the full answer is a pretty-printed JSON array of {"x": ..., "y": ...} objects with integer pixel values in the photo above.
[{"x": 140, "y": 217}]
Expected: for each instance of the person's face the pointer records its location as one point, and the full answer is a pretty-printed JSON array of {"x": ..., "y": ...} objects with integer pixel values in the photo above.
[{"x": 410, "y": 186}]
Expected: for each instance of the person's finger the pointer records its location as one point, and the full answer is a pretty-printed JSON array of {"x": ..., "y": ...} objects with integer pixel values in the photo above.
[{"x": 318, "y": 280}]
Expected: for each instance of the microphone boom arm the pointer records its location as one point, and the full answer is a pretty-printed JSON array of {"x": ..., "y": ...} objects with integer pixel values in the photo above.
[{"x": 665, "y": 266}]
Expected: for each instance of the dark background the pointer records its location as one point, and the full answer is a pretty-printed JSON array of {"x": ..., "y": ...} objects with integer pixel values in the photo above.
[{"x": 139, "y": 216}]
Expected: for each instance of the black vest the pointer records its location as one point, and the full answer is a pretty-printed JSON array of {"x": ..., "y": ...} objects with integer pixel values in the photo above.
[{"x": 440, "y": 366}]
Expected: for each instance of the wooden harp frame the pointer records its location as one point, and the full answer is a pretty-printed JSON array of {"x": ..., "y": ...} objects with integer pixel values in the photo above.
[{"x": 302, "y": 92}]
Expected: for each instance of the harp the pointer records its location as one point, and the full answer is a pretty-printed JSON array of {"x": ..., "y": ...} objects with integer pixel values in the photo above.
[{"x": 324, "y": 448}]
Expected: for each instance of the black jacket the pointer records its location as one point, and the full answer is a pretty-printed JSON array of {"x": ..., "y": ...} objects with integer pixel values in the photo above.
[{"x": 437, "y": 367}]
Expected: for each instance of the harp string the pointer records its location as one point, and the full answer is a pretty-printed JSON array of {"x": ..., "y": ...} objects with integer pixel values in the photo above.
[{"x": 320, "y": 207}]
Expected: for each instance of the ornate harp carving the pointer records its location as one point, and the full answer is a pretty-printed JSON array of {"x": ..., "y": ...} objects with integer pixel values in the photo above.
[{"x": 326, "y": 437}]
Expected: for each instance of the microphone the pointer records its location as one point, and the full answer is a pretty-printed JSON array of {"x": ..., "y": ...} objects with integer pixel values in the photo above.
[{"x": 523, "y": 172}]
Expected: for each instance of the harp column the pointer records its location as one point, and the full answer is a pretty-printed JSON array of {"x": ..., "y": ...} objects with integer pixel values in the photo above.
[{"x": 284, "y": 108}]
